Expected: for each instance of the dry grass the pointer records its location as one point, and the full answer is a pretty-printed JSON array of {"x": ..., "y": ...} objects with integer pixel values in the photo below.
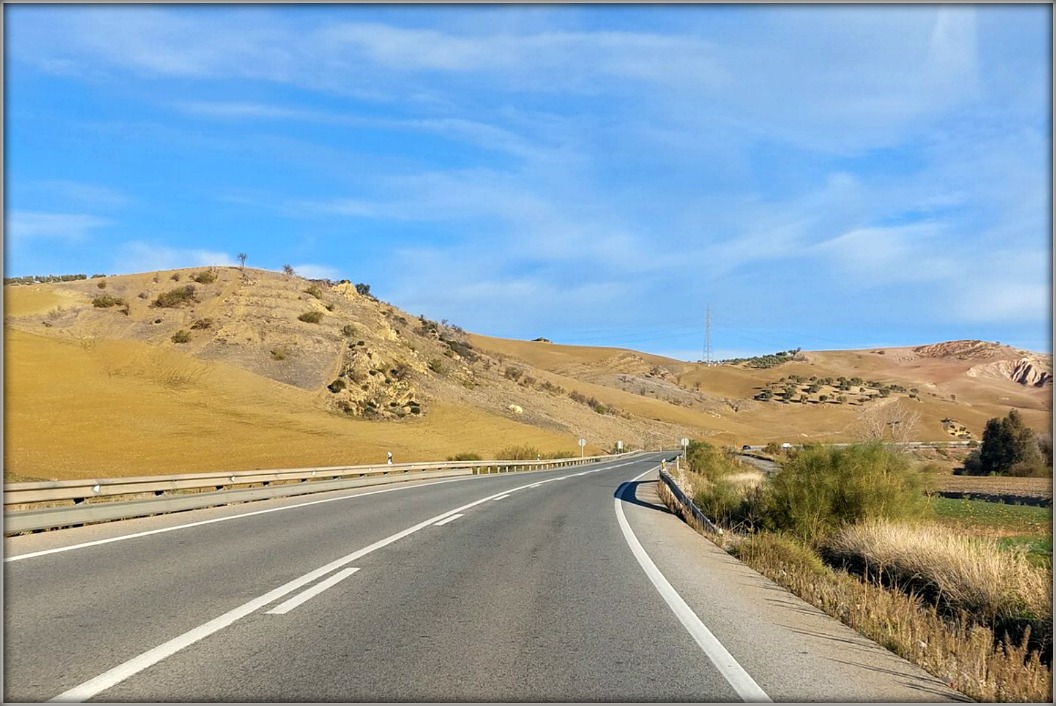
[
  {"x": 995, "y": 587},
  {"x": 142, "y": 410},
  {"x": 956, "y": 648},
  {"x": 958, "y": 651}
]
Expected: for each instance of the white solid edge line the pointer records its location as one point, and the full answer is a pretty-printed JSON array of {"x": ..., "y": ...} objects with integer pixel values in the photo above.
[
  {"x": 733, "y": 672},
  {"x": 239, "y": 516},
  {"x": 503, "y": 497},
  {"x": 448, "y": 519},
  {"x": 118, "y": 674},
  {"x": 287, "y": 606}
]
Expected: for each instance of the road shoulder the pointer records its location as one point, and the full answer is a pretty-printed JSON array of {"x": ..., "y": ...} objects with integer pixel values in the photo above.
[{"x": 793, "y": 650}]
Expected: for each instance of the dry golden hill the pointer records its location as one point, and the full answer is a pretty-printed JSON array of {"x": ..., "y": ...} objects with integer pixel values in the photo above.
[{"x": 223, "y": 368}]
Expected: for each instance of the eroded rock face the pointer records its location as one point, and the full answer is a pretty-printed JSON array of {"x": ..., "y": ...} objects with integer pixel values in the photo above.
[
  {"x": 1027, "y": 372},
  {"x": 372, "y": 386}
]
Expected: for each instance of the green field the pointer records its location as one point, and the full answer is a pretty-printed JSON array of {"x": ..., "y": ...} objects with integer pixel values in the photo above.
[{"x": 1025, "y": 526}]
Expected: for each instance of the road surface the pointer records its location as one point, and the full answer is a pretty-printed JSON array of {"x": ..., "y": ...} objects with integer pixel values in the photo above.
[{"x": 565, "y": 585}]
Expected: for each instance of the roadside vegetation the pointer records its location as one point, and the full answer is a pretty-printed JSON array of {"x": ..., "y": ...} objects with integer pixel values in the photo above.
[{"x": 853, "y": 531}]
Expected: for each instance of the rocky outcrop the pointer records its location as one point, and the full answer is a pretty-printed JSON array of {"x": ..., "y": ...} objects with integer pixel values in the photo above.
[
  {"x": 372, "y": 386},
  {"x": 962, "y": 350},
  {"x": 1026, "y": 371}
]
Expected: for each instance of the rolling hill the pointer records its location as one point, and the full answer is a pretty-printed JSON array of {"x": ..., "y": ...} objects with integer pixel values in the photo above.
[{"x": 223, "y": 368}]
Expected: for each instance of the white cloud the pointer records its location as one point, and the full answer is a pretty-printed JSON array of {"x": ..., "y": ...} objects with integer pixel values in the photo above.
[
  {"x": 1004, "y": 301},
  {"x": 146, "y": 257},
  {"x": 30, "y": 225},
  {"x": 77, "y": 193},
  {"x": 900, "y": 254}
]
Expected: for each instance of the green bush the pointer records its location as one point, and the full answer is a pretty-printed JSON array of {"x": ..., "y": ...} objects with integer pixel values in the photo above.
[
  {"x": 311, "y": 317},
  {"x": 1009, "y": 447},
  {"x": 181, "y": 336},
  {"x": 719, "y": 501},
  {"x": 176, "y": 297},
  {"x": 708, "y": 461},
  {"x": 822, "y": 488},
  {"x": 205, "y": 276},
  {"x": 781, "y": 554}
]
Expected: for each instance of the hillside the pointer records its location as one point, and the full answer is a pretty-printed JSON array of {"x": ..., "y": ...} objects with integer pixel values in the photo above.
[{"x": 220, "y": 368}]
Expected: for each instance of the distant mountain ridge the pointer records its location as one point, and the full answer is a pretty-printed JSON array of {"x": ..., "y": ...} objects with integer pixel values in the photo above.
[{"x": 313, "y": 372}]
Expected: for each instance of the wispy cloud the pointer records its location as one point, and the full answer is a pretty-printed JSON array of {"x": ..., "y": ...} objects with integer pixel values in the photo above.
[
  {"x": 625, "y": 164},
  {"x": 138, "y": 256},
  {"x": 74, "y": 193},
  {"x": 883, "y": 256},
  {"x": 31, "y": 225}
]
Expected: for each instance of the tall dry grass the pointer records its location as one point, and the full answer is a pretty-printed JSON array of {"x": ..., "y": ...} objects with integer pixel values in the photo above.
[
  {"x": 995, "y": 587},
  {"x": 959, "y": 651}
]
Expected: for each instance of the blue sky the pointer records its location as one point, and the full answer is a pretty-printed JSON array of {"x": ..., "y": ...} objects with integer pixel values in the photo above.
[{"x": 819, "y": 176}]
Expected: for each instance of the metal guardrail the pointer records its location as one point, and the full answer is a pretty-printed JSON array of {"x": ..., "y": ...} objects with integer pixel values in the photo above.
[
  {"x": 31, "y": 506},
  {"x": 687, "y": 503}
]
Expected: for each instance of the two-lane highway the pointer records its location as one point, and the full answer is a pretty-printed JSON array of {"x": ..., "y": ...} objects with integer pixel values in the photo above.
[{"x": 568, "y": 585}]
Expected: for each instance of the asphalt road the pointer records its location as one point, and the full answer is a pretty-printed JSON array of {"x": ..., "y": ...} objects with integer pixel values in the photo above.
[{"x": 565, "y": 585}]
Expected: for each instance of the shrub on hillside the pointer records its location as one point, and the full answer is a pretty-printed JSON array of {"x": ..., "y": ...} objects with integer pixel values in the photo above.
[
  {"x": 180, "y": 296},
  {"x": 517, "y": 453},
  {"x": 348, "y": 330},
  {"x": 201, "y": 324},
  {"x": 105, "y": 301},
  {"x": 311, "y": 317},
  {"x": 823, "y": 488},
  {"x": 181, "y": 336},
  {"x": 465, "y": 456},
  {"x": 205, "y": 276},
  {"x": 314, "y": 291}
]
